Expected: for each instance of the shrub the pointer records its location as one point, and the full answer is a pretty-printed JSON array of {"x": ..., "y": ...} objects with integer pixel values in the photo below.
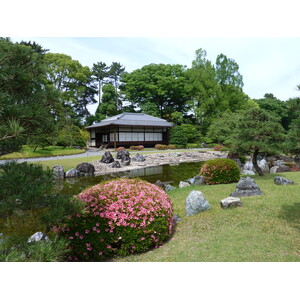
[
  {"x": 160, "y": 147},
  {"x": 138, "y": 148},
  {"x": 218, "y": 147},
  {"x": 121, "y": 148},
  {"x": 172, "y": 147},
  {"x": 220, "y": 170},
  {"x": 122, "y": 216},
  {"x": 189, "y": 146}
]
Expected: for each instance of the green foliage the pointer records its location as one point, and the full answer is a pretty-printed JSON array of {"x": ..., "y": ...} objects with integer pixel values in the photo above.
[
  {"x": 177, "y": 136},
  {"x": 24, "y": 96},
  {"x": 161, "y": 85},
  {"x": 43, "y": 251},
  {"x": 220, "y": 170},
  {"x": 223, "y": 128},
  {"x": 292, "y": 144},
  {"x": 71, "y": 136}
]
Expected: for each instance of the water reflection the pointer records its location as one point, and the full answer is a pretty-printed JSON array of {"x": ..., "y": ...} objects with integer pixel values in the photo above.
[{"x": 172, "y": 174}]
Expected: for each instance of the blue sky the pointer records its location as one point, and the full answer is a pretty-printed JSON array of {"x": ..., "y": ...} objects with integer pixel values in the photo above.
[{"x": 267, "y": 64}]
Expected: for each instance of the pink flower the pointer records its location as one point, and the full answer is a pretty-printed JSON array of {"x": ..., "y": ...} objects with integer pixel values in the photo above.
[
  {"x": 71, "y": 237},
  {"x": 108, "y": 246},
  {"x": 77, "y": 233},
  {"x": 81, "y": 237},
  {"x": 100, "y": 253},
  {"x": 86, "y": 231}
]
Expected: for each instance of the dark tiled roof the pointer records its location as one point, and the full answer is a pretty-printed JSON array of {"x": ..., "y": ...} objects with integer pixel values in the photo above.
[{"x": 133, "y": 119}]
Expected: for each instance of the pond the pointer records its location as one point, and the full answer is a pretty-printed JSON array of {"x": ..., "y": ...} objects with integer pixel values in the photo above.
[{"x": 172, "y": 174}]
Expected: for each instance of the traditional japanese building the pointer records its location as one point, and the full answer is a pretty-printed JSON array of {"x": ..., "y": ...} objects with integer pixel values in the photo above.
[{"x": 129, "y": 129}]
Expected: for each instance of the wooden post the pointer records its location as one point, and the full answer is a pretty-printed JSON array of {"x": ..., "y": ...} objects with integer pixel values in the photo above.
[{"x": 115, "y": 143}]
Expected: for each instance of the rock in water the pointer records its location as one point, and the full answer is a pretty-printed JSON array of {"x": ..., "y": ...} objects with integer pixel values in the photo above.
[
  {"x": 246, "y": 187},
  {"x": 72, "y": 173},
  {"x": 195, "y": 202},
  {"x": 231, "y": 202},
  {"x": 58, "y": 172},
  {"x": 107, "y": 158},
  {"x": 282, "y": 181},
  {"x": 85, "y": 169}
]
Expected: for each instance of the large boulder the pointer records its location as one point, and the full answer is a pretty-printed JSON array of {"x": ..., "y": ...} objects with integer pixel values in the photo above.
[
  {"x": 160, "y": 184},
  {"x": 125, "y": 161},
  {"x": 195, "y": 202},
  {"x": 231, "y": 202},
  {"x": 122, "y": 153},
  {"x": 72, "y": 173},
  {"x": 58, "y": 172},
  {"x": 85, "y": 169},
  {"x": 282, "y": 181},
  {"x": 248, "y": 166},
  {"x": 246, "y": 187},
  {"x": 279, "y": 169},
  {"x": 107, "y": 158}
]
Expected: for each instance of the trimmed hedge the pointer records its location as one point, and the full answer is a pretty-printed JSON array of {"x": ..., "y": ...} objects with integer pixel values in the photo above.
[{"x": 220, "y": 170}]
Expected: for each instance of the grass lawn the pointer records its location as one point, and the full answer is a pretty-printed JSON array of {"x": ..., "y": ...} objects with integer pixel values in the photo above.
[
  {"x": 265, "y": 229},
  {"x": 27, "y": 152}
]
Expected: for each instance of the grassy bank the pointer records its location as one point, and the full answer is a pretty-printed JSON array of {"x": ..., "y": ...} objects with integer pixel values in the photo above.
[
  {"x": 265, "y": 229},
  {"x": 27, "y": 152}
]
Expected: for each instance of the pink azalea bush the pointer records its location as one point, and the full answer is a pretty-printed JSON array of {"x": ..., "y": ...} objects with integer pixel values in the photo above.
[
  {"x": 121, "y": 217},
  {"x": 220, "y": 170},
  {"x": 121, "y": 148}
]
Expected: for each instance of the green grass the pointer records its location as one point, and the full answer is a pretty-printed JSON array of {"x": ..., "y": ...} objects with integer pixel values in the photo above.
[
  {"x": 27, "y": 152},
  {"x": 265, "y": 229}
]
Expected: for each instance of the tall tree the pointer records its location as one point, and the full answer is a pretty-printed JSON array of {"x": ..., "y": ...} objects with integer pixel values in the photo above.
[
  {"x": 24, "y": 104},
  {"x": 100, "y": 72},
  {"x": 115, "y": 72},
  {"x": 207, "y": 102},
  {"x": 160, "y": 85}
]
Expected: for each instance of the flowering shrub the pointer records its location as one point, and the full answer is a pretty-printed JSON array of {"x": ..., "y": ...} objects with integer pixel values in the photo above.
[
  {"x": 121, "y": 148},
  {"x": 218, "y": 147},
  {"x": 172, "y": 147},
  {"x": 122, "y": 216},
  {"x": 139, "y": 147},
  {"x": 160, "y": 147},
  {"x": 220, "y": 170}
]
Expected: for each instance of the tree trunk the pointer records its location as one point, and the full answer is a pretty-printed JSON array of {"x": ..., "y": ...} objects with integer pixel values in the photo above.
[{"x": 255, "y": 165}]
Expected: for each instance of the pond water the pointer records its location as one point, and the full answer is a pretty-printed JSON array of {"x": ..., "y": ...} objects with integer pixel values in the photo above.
[{"x": 172, "y": 174}]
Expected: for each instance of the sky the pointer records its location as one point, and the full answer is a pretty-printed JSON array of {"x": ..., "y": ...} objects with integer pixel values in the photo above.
[{"x": 267, "y": 64}]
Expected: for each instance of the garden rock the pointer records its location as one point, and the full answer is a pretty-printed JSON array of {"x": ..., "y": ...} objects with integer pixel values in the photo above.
[
  {"x": 246, "y": 187},
  {"x": 160, "y": 184},
  {"x": 264, "y": 166},
  {"x": 283, "y": 168},
  {"x": 282, "y": 181},
  {"x": 248, "y": 166},
  {"x": 138, "y": 157},
  {"x": 169, "y": 188},
  {"x": 85, "y": 169},
  {"x": 125, "y": 161},
  {"x": 72, "y": 173},
  {"x": 115, "y": 164},
  {"x": 122, "y": 153},
  {"x": 58, "y": 172},
  {"x": 107, "y": 158},
  {"x": 37, "y": 237},
  {"x": 176, "y": 219},
  {"x": 183, "y": 184},
  {"x": 248, "y": 172},
  {"x": 231, "y": 202},
  {"x": 197, "y": 180},
  {"x": 195, "y": 202}
]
